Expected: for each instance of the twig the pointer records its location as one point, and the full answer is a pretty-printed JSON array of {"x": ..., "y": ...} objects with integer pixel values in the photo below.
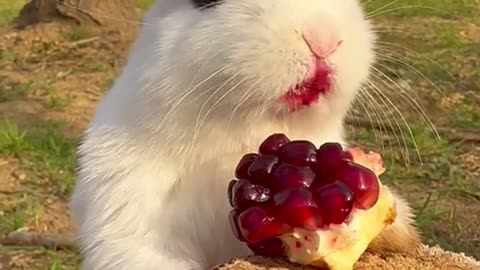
[
  {"x": 84, "y": 41},
  {"x": 453, "y": 134},
  {"x": 465, "y": 135},
  {"x": 38, "y": 239},
  {"x": 9, "y": 192}
]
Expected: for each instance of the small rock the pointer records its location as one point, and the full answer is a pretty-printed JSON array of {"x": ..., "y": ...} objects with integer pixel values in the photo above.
[
  {"x": 19, "y": 175},
  {"x": 3, "y": 162}
]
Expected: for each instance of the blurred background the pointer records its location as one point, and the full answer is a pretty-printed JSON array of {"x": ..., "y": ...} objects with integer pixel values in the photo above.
[{"x": 421, "y": 110}]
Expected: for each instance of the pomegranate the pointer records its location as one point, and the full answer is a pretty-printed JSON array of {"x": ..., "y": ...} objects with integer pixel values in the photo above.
[{"x": 315, "y": 206}]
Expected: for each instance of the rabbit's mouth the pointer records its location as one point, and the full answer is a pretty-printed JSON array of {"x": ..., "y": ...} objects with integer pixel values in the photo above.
[{"x": 309, "y": 91}]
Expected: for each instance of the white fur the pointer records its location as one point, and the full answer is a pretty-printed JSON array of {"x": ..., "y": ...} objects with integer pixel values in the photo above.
[{"x": 154, "y": 165}]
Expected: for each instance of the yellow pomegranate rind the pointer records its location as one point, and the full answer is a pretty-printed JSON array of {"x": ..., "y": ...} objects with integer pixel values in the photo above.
[{"x": 339, "y": 247}]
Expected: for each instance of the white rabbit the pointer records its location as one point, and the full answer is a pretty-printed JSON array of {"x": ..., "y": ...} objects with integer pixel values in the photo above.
[{"x": 205, "y": 83}]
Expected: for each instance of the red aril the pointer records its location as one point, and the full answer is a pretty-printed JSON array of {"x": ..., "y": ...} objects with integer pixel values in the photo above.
[
  {"x": 241, "y": 171},
  {"x": 335, "y": 201},
  {"x": 288, "y": 175},
  {"x": 309, "y": 204},
  {"x": 269, "y": 248},
  {"x": 244, "y": 194},
  {"x": 331, "y": 158},
  {"x": 273, "y": 143},
  {"x": 330, "y": 154},
  {"x": 233, "y": 220},
  {"x": 301, "y": 153},
  {"x": 256, "y": 224},
  {"x": 297, "y": 208},
  {"x": 230, "y": 192},
  {"x": 364, "y": 184},
  {"x": 259, "y": 171}
]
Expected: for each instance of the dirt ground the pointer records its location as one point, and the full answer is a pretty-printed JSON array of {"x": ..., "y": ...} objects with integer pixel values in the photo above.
[{"x": 52, "y": 76}]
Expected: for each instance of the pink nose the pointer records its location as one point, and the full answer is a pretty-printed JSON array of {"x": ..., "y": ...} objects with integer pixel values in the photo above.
[{"x": 322, "y": 37}]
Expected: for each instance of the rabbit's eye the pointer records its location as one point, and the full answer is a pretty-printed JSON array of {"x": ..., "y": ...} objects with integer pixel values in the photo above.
[{"x": 205, "y": 3}]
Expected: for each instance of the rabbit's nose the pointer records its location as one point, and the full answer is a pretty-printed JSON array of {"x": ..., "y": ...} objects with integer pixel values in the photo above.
[{"x": 322, "y": 37}]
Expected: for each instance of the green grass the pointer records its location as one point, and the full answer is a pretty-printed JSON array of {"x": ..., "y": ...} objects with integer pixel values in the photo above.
[
  {"x": 78, "y": 33},
  {"x": 48, "y": 159},
  {"x": 435, "y": 189},
  {"x": 9, "y": 10},
  {"x": 467, "y": 116},
  {"x": 422, "y": 8},
  {"x": 56, "y": 261},
  {"x": 11, "y": 92},
  {"x": 428, "y": 44},
  {"x": 44, "y": 151},
  {"x": 144, "y": 3},
  {"x": 17, "y": 215}
]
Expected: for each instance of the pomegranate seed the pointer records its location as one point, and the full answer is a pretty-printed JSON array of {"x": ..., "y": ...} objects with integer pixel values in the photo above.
[
  {"x": 268, "y": 248},
  {"x": 230, "y": 192},
  {"x": 273, "y": 143},
  {"x": 331, "y": 153},
  {"x": 292, "y": 184},
  {"x": 241, "y": 171},
  {"x": 233, "y": 220},
  {"x": 256, "y": 225},
  {"x": 287, "y": 175},
  {"x": 335, "y": 202},
  {"x": 326, "y": 175},
  {"x": 364, "y": 184},
  {"x": 297, "y": 208},
  {"x": 308, "y": 218},
  {"x": 330, "y": 156},
  {"x": 293, "y": 198},
  {"x": 300, "y": 153},
  {"x": 259, "y": 171},
  {"x": 245, "y": 194}
]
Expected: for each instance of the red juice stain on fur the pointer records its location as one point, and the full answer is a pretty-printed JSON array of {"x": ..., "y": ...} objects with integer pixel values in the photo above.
[{"x": 308, "y": 91}]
